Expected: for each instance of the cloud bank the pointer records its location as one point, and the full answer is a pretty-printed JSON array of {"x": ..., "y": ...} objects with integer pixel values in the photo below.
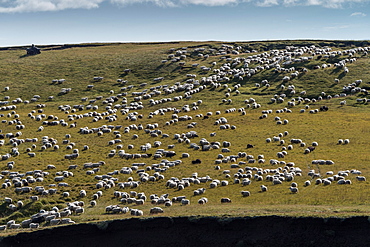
[
  {"x": 20, "y": 6},
  {"x": 360, "y": 14}
]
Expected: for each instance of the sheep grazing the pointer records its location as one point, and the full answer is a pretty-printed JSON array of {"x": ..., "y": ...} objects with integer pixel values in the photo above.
[
  {"x": 361, "y": 178},
  {"x": 318, "y": 181},
  {"x": 224, "y": 183},
  {"x": 225, "y": 200},
  {"x": 185, "y": 202},
  {"x": 324, "y": 108},
  {"x": 8, "y": 200},
  {"x": 245, "y": 193},
  {"x": 20, "y": 204},
  {"x": 213, "y": 184},
  {"x": 32, "y": 154},
  {"x": 294, "y": 184},
  {"x": 293, "y": 189},
  {"x": 185, "y": 155},
  {"x": 93, "y": 203},
  {"x": 309, "y": 149},
  {"x": 82, "y": 193},
  {"x": 33, "y": 198},
  {"x": 263, "y": 188},
  {"x": 237, "y": 169},
  {"x": 202, "y": 200},
  {"x": 156, "y": 210},
  {"x": 34, "y": 225},
  {"x": 326, "y": 181}
]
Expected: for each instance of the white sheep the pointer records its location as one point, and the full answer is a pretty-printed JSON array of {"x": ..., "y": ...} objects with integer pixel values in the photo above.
[
  {"x": 185, "y": 155},
  {"x": 8, "y": 200},
  {"x": 263, "y": 188},
  {"x": 156, "y": 210},
  {"x": 34, "y": 225},
  {"x": 185, "y": 202},
  {"x": 361, "y": 178},
  {"x": 93, "y": 203},
  {"x": 19, "y": 204},
  {"x": 202, "y": 200},
  {"x": 293, "y": 189},
  {"x": 245, "y": 193},
  {"x": 82, "y": 193},
  {"x": 32, "y": 154}
]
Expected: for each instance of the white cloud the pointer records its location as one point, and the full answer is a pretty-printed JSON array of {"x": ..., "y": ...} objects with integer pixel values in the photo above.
[
  {"x": 290, "y": 2},
  {"x": 360, "y": 14},
  {"x": 332, "y": 3},
  {"x": 261, "y": 3},
  {"x": 211, "y": 2},
  {"x": 161, "y": 3},
  {"x": 18, "y": 6},
  {"x": 177, "y": 3},
  {"x": 313, "y": 2},
  {"x": 267, "y": 3},
  {"x": 46, "y": 5}
]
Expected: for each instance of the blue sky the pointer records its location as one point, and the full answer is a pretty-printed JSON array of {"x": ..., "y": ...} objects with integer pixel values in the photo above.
[{"x": 42, "y": 22}]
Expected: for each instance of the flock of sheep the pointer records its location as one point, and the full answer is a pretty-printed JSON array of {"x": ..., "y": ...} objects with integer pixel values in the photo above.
[{"x": 118, "y": 117}]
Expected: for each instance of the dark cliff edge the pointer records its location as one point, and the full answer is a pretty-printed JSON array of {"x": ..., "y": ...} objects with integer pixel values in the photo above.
[{"x": 203, "y": 231}]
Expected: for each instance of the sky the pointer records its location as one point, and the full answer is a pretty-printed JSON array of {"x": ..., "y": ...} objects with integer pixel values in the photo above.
[{"x": 47, "y": 22}]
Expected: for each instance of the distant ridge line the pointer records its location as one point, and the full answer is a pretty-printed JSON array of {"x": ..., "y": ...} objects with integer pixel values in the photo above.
[{"x": 279, "y": 43}]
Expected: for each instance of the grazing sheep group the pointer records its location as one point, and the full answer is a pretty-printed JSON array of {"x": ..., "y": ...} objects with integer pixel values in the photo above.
[{"x": 144, "y": 132}]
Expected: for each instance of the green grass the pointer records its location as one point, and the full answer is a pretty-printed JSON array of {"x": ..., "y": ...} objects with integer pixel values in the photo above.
[{"x": 32, "y": 75}]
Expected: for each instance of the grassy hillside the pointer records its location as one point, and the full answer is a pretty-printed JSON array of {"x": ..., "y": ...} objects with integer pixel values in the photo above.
[{"x": 130, "y": 70}]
